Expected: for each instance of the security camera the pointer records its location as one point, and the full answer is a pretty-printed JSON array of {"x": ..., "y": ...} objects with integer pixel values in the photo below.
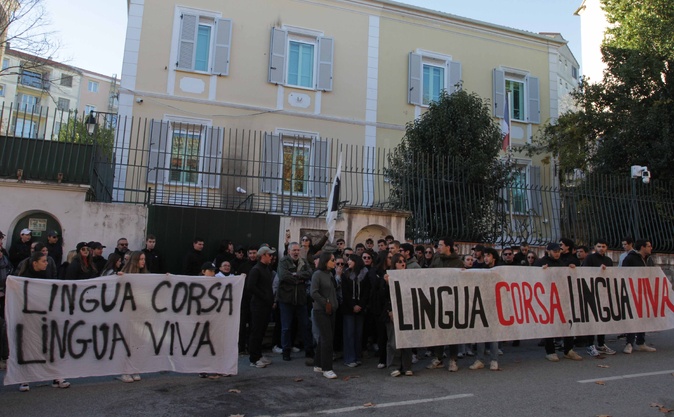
[
  {"x": 646, "y": 176},
  {"x": 139, "y": 100}
]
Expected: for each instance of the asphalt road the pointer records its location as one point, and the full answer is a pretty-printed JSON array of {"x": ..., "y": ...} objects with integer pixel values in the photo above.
[{"x": 527, "y": 385}]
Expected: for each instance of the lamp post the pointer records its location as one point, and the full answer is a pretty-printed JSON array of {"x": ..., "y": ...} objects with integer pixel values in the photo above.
[
  {"x": 91, "y": 123},
  {"x": 637, "y": 172}
]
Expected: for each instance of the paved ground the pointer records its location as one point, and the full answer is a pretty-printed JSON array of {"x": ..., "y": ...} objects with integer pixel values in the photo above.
[{"x": 527, "y": 385}]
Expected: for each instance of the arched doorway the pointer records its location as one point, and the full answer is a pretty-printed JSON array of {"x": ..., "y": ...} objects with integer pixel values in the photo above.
[
  {"x": 372, "y": 231},
  {"x": 39, "y": 222}
]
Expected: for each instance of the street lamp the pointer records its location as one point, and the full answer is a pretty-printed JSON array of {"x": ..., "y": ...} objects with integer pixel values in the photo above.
[
  {"x": 637, "y": 172},
  {"x": 91, "y": 123}
]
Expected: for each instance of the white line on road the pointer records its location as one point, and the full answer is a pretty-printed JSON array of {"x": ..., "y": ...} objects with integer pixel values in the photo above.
[
  {"x": 613, "y": 378},
  {"x": 384, "y": 405}
]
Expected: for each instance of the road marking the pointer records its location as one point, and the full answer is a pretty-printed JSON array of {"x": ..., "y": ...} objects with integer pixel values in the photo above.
[
  {"x": 384, "y": 405},
  {"x": 613, "y": 378}
]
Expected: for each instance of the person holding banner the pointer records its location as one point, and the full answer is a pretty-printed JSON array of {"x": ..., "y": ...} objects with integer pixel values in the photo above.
[
  {"x": 398, "y": 262},
  {"x": 550, "y": 260},
  {"x": 37, "y": 269},
  {"x": 135, "y": 265},
  {"x": 446, "y": 257},
  {"x": 82, "y": 266},
  {"x": 324, "y": 294},
  {"x": 640, "y": 256},
  {"x": 490, "y": 261}
]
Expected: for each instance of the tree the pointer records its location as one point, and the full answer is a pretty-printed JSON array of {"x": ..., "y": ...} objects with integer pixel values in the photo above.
[
  {"x": 77, "y": 131},
  {"x": 627, "y": 118},
  {"x": 446, "y": 170}
]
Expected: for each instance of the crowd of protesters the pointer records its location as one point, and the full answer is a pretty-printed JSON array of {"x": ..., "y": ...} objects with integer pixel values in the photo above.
[{"x": 327, "y": 301}]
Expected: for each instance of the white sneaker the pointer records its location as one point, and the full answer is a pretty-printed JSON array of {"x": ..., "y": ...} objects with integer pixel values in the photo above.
[
  {"x": 592, "y": 351},
  {"x": 469, "y": 352},
  {"x": 645, "y": 348},
  {"x": 552, "y": 357},
  {"x": 125, "y": 378},
  {"x": 453, "y": 367},
  {"x": 395, "y": 373},
  {"x": 628, "y": 348},
  {"x": 476, "y": 365},
  {"x": 265, "y": 360},
  {"x": 60, "y": 383},
  {"x": 135, "y": 377},
  {"x": 493, "y": 366},
  {"x": 24, "y": 388},
  {"x": 435, "y": 364},
  {"x": 330, "y": 374},
  {"x": 294, "y": 349},
  {"x": 381, "y": 365},
  {"x": 277, "y": 349},
  {"x": 318, "y": 369},
  {"x": 258, "y": 364}
]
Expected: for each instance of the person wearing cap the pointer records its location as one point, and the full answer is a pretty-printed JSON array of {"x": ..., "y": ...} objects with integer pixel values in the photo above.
[
  {"x": 294, "y": 275},
  {"x": 82, "y": 265},
  {"x": 20, "y": 250},
  {"x": 552, "y": 259},
  {"x": 55, "y": 246},
  {"x": 97, "y": 258},
  {"x": 259, "y": 285},
  {"x": 478, "y": 256},
  {"x": 208, "y": 269}
]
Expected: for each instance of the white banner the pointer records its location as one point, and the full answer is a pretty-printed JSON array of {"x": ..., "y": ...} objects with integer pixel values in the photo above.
[
  {"x": 127, "y": 324},
  {"x": 444, "y": 306}
]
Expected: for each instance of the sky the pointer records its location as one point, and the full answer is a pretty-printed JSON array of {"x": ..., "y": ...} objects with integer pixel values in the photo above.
[{"x": 92, "y": 33}]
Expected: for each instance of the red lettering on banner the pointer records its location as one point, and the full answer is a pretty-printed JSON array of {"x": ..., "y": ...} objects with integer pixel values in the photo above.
[
  {"x": 538, "y": 288},
  {"x": 637, "y": 296},
  {"x": 499, "y": 305},
  {"x": 652, "y": 296},
  {"x": 555, "y": 304},
  {"x": 527, "y": 293},
  {"x": 665, "y": 298}
]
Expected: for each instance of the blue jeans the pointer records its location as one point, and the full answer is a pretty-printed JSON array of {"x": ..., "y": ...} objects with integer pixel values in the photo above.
[
  {"x": 353, "y": 337},
  {"x": 288, "y": 311}
]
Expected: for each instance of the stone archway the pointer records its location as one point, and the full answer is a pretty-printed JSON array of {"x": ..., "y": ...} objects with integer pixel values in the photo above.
[
  {"x": 373, "y": 231},
  {"x": 40, "y": 222}
]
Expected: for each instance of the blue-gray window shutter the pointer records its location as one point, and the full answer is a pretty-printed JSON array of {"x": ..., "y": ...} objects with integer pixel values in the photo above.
[
  {"x": 454, "y": 76},
  {"x": 534, "y": 112},
  {"x": 272, "y": 165},
  {"x": 319, "y": 170},
  {"x": 223, "y": 44},
  {"x": 499, "y": 92},
  {"x": 187, "y": 45},
  {"x": 415, "y": 89},
  {"x": 159, "y": 138},
  {"x": 326, "y": 48},
  {"x": 212, "y": 157},
  {"x": 277, "y": 56}
]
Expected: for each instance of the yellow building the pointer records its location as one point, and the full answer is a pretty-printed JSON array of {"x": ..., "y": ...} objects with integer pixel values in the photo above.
[{"x": 353, "y": 70}]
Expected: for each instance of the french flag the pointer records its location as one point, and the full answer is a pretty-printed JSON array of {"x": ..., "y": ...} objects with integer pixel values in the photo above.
[{"x": 505, "y": 125}]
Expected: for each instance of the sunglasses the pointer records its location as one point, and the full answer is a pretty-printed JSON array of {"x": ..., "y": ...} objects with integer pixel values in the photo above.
[
  {"x": 429, "y": 251},
  {"x": 367, "y": 257},
  {"x": 339, "y": 263},
  {"x": 400, "y": 262},
  {"x": 507, "y": 254},
  {"x": 530, "y": 257}
]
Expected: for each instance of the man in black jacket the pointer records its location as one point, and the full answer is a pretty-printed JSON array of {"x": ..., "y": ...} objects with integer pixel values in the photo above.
[
  {"x": 153, "y": 261},
  {"x": 640, "y": 256},
  {"x": 259, "y": 285},
  {"x": 294, "y": 276},
  {"x": 195, "y": 258},
  {"x": 599, "y": 259},
  {"x": 552, "y": 259},
  {"x": 21, "y": 249}
]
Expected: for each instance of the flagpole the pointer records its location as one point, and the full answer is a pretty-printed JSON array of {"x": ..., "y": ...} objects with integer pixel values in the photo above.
[{"x": 510, "y": 127}]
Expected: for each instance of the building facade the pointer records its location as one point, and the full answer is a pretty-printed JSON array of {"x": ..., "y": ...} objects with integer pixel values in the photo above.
[{"x": 296, "y": 71}]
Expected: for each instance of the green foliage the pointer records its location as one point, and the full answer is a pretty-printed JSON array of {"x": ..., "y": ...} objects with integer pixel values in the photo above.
[
  {"x": 627, "y": 118},
  {"x": 447, "y": 172},
  {"x": 76, "y": 131}
]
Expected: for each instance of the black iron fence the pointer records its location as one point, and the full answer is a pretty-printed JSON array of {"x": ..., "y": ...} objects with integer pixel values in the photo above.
[{"x": 178, "y": 164}]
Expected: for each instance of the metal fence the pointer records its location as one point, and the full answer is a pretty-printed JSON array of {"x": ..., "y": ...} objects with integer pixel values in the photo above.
[{"x": 178, "y": 164}]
